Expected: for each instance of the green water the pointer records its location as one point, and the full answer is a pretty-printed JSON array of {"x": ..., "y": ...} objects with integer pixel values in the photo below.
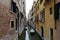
[{"x": 31, "y": 36}]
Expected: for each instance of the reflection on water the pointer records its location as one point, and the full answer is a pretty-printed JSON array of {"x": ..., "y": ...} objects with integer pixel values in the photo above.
[{"x": 27, "y": 35}]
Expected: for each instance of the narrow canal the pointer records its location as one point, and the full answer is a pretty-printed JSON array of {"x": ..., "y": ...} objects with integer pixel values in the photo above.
[{"x": 27, "y": 36}]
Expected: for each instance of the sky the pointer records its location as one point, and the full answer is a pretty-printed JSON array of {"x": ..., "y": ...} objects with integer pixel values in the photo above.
[{"x": 29, "y": 4}]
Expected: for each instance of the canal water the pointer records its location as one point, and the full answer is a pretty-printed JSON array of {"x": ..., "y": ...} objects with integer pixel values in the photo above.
[{"x": 27, "y": 36}]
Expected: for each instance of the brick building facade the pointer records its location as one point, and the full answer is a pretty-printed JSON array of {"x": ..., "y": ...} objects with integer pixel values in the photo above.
[{"x": 7, "y": 21}]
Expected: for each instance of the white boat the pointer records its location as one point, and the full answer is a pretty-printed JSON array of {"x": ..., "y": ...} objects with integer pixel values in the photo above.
[{"x": 32, "y": 30}]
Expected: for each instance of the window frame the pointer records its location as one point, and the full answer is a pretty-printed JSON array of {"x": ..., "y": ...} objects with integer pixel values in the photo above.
[
  {"x": 13, "y": 6},
  {"x": 10, "y": 24},
  {"x": 50, "y": 10},
  {"x": 42, "y": 31}
]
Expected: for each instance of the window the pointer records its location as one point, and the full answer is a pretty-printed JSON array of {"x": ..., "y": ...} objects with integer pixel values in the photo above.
[
  {"x": 23, "y": 2},
  {"x": 12, "y": 24},
  {"x": 31, "y": 19},
  {"x": 42, "y": 15},
  {"x": 13, "y": 6},
  {"x": 41, "y": 1},
  {"x": 42, "y": 31},
  {"x": 51, "y": 34},
  {"x": 32, "y": 14},
  {"x": 51, "y": 11}
]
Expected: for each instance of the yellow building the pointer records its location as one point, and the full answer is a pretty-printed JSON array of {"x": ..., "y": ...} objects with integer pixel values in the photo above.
[
  {"x": 44, "y": 19},
  {"x": 36, "y": 9}
]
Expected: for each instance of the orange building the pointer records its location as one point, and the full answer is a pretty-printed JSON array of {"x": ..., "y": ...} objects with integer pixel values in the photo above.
[{"x": 44, "y": 19}]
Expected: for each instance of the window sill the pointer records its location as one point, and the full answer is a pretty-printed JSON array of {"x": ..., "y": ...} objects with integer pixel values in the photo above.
[
  {"x": 12, "y": 28},
  {"x": 12, "y": 12}
]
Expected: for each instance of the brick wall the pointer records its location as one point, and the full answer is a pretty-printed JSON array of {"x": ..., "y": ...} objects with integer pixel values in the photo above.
[
  {"x": 5, "y": 17},
  {"x": 4, "y": 20}
]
